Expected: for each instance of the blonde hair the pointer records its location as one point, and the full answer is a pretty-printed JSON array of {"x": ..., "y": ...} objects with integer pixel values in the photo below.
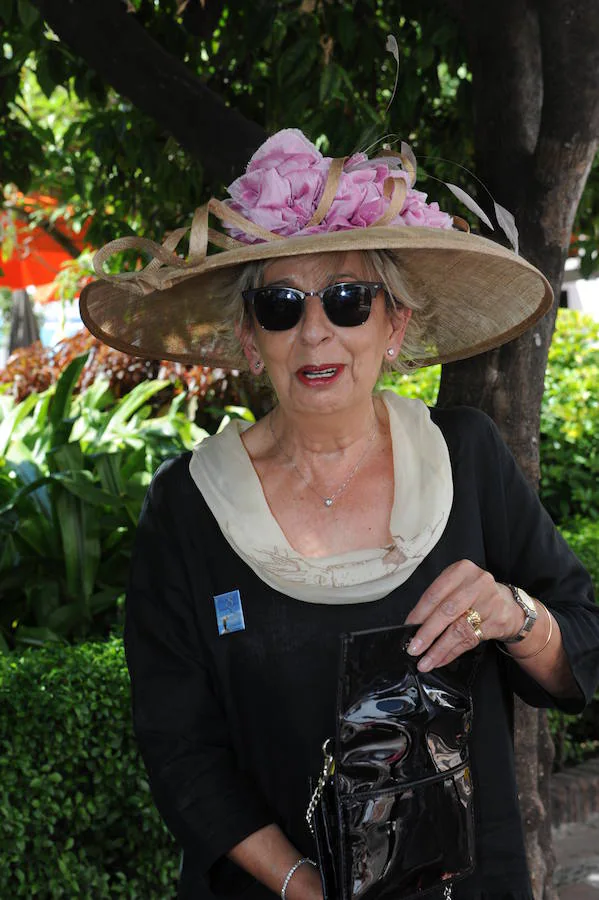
[{"x": 380, "y": 265}]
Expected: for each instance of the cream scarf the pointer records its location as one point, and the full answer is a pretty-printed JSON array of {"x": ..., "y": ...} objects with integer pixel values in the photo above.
[{"x": 224, "y": 474}]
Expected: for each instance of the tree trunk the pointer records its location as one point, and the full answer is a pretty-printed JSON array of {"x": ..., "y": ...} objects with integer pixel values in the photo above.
[{"x": 536, "y": 102}]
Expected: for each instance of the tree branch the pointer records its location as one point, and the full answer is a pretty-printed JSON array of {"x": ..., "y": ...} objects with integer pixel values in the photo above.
[{"x": 127, "y": 57}]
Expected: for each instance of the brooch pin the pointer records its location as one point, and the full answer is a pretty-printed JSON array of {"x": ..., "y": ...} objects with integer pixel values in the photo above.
[{"x": 229, "y": 612}]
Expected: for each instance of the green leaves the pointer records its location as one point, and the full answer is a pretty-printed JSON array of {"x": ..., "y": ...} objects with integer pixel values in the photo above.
[
  {"x": 570, "y": 420},
  {"x": 60, "y": 404},
  {"x": 75, "y": 472},
  {"x": 28, "y": 13},
  {"x": 76, "y": 816},
  {"x": 321, "y": 67}
]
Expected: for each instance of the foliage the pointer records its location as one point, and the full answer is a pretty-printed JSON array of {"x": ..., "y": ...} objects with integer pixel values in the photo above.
[
  {"x": 421, "y": 384},
  {"x": 583, "y": 537},
  {"x": 318, "y": 66},
  {"x": 73, "y": 473},
  {"x": 35, "y": 368},
  {"x": 575, "y": 737},
  {"x": 585, "y": 240},
  {"x": 76, "y": 815},
  {"x": 569, "y": 440},
  {"x": 5, "y": 315}
]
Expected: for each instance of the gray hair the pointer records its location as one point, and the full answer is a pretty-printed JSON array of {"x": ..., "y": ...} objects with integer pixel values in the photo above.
[{"x": 381, "y": 265}]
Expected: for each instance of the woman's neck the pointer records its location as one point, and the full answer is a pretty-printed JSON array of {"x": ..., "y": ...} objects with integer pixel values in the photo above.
[{"x": 326, "y": 434}]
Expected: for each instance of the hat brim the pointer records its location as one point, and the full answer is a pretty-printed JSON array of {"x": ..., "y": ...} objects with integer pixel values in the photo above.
[{"x": 481, "y": 295}]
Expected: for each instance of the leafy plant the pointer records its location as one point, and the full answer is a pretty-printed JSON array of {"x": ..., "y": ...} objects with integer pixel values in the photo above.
[
  {"x": 583, "y": 537},
  {"x": 73, "y": 473},
  {"x": 33, "y": 369},
  {"x": 575, "y": 737},
  {"x": 76, "y": 814},
  {"x": 570, "y": 420},
  {"x": 421, "y": 384}
]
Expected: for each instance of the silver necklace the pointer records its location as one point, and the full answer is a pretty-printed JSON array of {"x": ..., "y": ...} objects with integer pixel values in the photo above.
[{"x": 328, "y": 501}]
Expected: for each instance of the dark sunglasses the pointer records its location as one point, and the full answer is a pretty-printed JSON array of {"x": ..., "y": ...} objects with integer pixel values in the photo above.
[{"x": 280, "y": 308}]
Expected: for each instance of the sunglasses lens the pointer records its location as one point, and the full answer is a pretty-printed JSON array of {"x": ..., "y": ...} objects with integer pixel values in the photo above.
[
  {"x": 278, "y": 309},
  {"x": 348, "y": 304}
]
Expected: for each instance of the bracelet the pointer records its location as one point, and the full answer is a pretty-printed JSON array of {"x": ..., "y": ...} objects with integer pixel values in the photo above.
[
  {"x": 292, "y": 872},
  {"x": 540, "y": 650}
]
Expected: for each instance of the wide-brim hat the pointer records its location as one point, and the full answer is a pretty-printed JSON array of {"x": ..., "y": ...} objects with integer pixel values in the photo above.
[{"x": 480, "y": 293}]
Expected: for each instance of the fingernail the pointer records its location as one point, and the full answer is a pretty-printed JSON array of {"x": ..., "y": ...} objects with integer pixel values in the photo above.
[
  {"x": 414, "y": 646},
  {"x": 425, "y": 664}
]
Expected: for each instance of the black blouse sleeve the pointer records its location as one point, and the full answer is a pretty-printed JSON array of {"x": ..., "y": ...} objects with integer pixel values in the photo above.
[
  {"x": 207, "y": 802},
  {"x": 525, "y": 548}
]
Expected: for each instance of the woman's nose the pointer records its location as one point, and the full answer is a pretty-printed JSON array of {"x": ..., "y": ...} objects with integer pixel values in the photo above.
[{"x": 314, "y": 325}]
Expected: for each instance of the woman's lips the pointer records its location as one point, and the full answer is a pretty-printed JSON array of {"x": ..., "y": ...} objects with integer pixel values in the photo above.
[{"x": 319, "y": 375}]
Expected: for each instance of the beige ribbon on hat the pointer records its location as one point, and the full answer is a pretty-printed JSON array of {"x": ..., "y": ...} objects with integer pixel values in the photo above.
[
  {"x": 166, "y": 266},
  {"x": 156, "y": 274}
]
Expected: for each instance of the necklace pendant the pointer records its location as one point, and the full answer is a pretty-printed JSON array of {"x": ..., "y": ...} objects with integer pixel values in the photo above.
[{"x": 328, "y": 501}]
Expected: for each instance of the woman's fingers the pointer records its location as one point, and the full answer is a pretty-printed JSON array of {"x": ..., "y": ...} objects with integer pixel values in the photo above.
[
  {"x": 441, "y": 588},
  {"x": 455, "y": 640},
  {"x": 445, "y": 632}
]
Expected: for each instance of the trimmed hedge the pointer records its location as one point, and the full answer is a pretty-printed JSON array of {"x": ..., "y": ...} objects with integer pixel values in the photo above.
[{"x": 76, "y": 815}]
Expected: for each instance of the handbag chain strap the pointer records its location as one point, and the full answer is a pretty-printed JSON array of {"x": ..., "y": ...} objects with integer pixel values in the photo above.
[{"x": 328, "y": 767}]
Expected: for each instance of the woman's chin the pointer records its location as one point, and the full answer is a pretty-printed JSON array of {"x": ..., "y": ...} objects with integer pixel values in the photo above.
[{"x": 323, "y": 398}]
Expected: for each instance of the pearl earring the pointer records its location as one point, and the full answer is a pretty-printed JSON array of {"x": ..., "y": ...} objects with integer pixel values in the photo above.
[{"x": 390, "y": 351}]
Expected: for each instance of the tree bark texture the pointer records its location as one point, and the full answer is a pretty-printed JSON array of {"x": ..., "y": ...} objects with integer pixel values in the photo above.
[
  {"x": 535, "y": 66},
  {"x": 118, "y": 47}
]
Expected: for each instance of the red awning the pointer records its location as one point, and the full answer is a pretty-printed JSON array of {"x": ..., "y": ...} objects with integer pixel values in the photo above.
[{"x": 37, "y": 255}]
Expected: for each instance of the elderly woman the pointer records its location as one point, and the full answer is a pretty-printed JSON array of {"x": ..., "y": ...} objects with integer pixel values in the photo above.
[{"x": 342, "y": 510}]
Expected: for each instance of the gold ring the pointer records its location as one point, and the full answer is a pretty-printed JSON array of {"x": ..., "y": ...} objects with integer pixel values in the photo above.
[{"x": 474, "y": 620}]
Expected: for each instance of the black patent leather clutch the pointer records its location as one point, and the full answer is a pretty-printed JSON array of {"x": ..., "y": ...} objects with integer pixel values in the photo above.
[{"x": 392, "y": 814}]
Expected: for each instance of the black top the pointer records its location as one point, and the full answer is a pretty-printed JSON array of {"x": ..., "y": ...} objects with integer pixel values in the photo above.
[{"x": 231, "y": 727}]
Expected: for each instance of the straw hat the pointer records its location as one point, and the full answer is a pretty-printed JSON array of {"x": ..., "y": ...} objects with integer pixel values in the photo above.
[{"x": 293, "y": 201}]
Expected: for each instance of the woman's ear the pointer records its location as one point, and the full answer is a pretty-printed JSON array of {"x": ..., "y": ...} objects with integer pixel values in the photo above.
[
  {"x": 247, "y": 341},
  {"x": 399, "y": 320}
]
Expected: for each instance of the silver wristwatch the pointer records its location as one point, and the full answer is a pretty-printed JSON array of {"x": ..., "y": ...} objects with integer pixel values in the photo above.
[{"x": 527, "y": 605}]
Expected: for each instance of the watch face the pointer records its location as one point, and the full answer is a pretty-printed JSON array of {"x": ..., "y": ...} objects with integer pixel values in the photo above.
[
  {"x": 528, "y": 602},
  {"x": 527, "y": 605}
]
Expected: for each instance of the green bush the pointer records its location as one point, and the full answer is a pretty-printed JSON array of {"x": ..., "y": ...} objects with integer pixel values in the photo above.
[
  {"x": 422, "y": 384},
  {"x": 74, "y": 469},
  {"x": 570, "y": 420},
  {"x": 583, "y": 537},
  {"x": 76, "y": 816},
  {"x": 575, "y": 737}
]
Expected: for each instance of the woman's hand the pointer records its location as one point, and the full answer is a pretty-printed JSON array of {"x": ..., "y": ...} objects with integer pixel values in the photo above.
[{"x": 445, "y": 632}]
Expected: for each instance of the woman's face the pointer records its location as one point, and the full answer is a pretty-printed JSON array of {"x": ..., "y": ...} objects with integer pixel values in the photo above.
[{"x": 318, "y": 367}]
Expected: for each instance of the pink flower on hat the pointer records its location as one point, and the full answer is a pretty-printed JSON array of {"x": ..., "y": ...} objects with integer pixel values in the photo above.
[{"x": 285, "y": 180}]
